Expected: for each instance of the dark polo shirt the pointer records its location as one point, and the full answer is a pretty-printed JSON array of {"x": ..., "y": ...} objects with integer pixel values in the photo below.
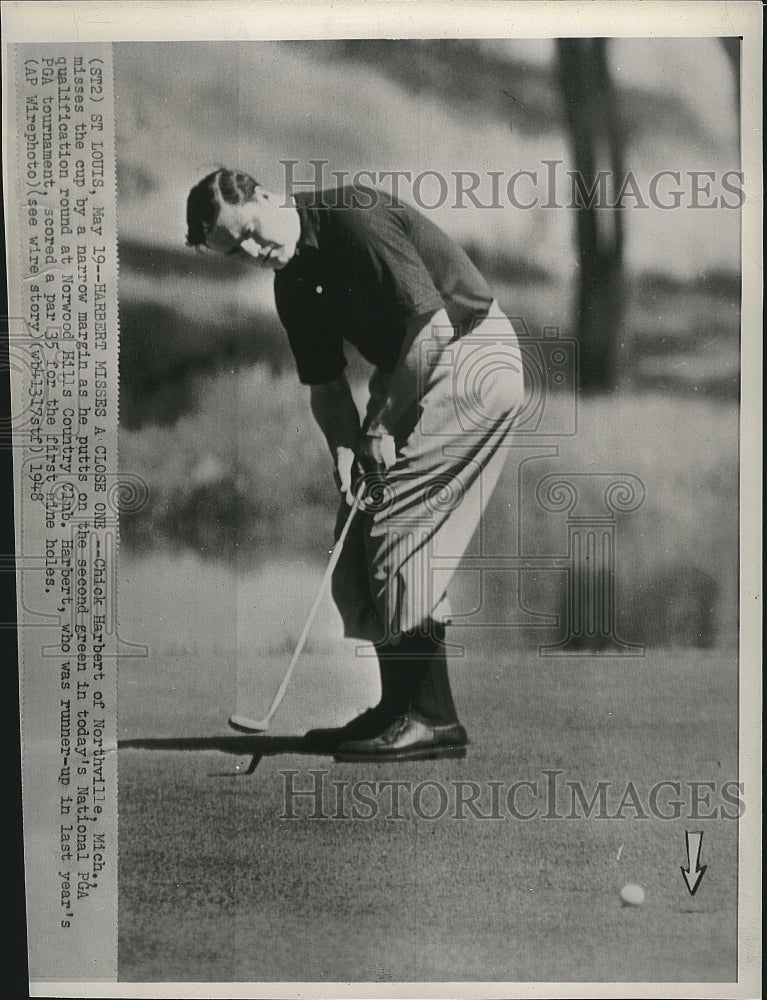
[{"x": 361, "y": 273}]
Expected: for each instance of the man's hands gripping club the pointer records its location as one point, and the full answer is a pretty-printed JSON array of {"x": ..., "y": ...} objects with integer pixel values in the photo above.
[
  {"x": 375, "y": 454},
  {"x": 372, "y": 451},
  {"x": 356, "y": 453}
]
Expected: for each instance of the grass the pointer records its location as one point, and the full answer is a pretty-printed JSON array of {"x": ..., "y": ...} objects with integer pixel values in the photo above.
[
  {"x": 242, "y": 472},
  {"x": 214, "y": 886},
  {"x": 676, "y": 555},
  {"x": 211, "y": 413},
  {"x": 246, "y": 476},
  {"x": 220, "y": 567}
]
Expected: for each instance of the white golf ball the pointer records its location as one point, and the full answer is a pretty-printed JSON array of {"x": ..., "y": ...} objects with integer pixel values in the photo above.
[{"x": 632, "y": 895}]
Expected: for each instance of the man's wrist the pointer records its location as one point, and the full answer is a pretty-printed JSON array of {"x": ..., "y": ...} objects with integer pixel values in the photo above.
[
  {"x": 377, "y": 429},
  {"x": 343, "y": 456}
]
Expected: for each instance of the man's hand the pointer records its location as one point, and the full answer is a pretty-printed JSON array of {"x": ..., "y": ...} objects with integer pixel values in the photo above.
[
  {"x": 334, "y": 410},
  {"x": 344, "y": 473},
  {"x": 376, "y": 452}
]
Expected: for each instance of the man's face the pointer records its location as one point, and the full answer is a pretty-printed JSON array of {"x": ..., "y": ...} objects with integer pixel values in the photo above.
[{"x": 262, "y": 229}]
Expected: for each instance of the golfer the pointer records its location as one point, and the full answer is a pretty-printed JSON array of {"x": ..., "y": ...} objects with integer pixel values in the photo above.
[{"x": 354, "y": 265}]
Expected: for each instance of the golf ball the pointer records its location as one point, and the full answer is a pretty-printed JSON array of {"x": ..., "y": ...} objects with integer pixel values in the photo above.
[{"x": 632, "y": 895}]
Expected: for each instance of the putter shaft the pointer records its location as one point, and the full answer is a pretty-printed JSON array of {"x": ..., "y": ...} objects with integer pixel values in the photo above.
[{"x": 242, "y": 722}]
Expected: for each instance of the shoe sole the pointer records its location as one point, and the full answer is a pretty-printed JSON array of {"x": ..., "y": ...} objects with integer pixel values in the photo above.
[{"x": 447, "y": 751}]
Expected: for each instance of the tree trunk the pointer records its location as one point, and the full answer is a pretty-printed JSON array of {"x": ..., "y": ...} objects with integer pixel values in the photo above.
[
  {"x": 732, "y": 46},
  {"x": 591, "y": 113}
]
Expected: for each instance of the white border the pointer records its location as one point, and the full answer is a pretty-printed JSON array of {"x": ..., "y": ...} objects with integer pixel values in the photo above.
[
  {"x": 253, "y": 20},
  {"x": 141, "y": 20}
]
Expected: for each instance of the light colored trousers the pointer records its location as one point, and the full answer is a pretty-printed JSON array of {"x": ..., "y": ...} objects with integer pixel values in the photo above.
[{"x": 449, "y": 456}]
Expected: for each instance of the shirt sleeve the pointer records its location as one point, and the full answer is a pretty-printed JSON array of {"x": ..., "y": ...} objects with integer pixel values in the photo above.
[
  {"x": 316, "y": 344},
  {"x": 319, "y": 358},
  {"x": 380, "y": 241}
]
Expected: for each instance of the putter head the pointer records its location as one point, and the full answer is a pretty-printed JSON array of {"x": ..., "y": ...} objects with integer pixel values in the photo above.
[{"x": 245, "y": 725}]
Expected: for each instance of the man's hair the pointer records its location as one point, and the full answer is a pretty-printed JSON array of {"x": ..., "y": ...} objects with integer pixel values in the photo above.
[{"x": 204, "y": 201}]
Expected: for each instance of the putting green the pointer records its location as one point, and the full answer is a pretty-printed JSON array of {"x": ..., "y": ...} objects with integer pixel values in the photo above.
[{"x": 214, "y": 885}]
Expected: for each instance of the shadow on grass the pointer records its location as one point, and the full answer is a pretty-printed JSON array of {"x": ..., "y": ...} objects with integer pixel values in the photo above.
[{"x": 256, "y": 747}]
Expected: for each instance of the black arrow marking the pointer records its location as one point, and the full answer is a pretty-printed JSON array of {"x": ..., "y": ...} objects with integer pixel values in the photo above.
[{"x": 692, "y": 873}]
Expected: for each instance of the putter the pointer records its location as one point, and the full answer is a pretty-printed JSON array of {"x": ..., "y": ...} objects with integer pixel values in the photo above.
[{"x": 247, "y": 725}]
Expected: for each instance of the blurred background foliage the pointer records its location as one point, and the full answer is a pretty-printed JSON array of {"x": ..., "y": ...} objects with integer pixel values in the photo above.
[{"x": 212, "y": 415}]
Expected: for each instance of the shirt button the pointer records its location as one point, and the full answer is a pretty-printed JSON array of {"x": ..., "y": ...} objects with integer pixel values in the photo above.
[{"x": 318, "y": 289}]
